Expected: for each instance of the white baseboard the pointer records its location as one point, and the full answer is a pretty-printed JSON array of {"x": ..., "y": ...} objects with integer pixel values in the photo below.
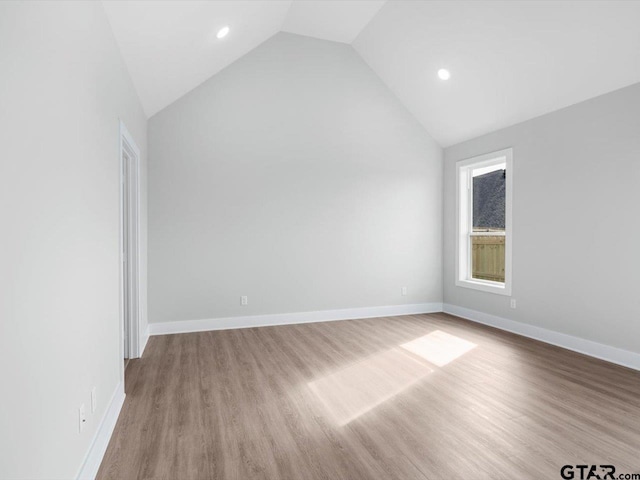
[
  {"x": 188, "y": 326},
  {"x": 100, "y": 441},
  {"x": 580, "y": 345}
]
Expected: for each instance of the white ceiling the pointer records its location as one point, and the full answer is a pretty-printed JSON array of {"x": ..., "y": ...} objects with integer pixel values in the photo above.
[
  {"x": 337, "y": 20},
  {"x": 509, "y": 61},
  {"x": 170, "y": 47}
]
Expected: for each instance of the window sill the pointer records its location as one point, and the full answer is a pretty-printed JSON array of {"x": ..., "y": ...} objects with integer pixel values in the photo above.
[{"x": 485, "y": 286}]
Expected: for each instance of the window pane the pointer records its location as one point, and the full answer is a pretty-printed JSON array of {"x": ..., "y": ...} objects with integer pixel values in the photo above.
[
  {"x": 487, "y": 256},
  {"x": 488, "y": 251}
]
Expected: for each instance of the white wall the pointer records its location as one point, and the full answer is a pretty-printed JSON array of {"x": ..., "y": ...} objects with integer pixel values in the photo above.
[
  {"x": 296, "y": 178},
  {"x": 576, "y": 234},
  {"x": 63, "y": 88}
]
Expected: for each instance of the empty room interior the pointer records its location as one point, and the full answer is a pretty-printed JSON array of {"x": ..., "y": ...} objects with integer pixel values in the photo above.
[{"x": 320, "y": 239}]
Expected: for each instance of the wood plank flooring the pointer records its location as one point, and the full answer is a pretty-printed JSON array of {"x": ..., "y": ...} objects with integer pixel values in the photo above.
[{"x": 411, "y": 397}]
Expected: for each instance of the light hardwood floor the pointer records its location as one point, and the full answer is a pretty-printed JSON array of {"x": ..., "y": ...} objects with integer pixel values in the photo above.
[{"x": 411, "y": 397}]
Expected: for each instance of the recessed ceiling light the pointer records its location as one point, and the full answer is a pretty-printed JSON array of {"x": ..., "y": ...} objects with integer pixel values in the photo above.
[
  {"x": 444, "y": 74},
  {"x": 223, "y": 32}
]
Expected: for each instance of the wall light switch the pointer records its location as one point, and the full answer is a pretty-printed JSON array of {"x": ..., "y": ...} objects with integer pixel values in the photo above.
[
  {"x": 404, "y": 290},
  {"x": 513, "y": 303},
  {"x": 244, "y": 300}
]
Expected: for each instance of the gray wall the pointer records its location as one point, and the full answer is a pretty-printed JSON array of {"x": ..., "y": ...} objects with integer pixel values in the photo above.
[
  {"x": 63, "y": 88},
  {"x": 576, "y": 234},
  {"x": 296, "y": 178}
]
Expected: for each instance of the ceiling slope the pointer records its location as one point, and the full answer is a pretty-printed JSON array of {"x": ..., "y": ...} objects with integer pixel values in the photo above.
[
  {"x": 509, "y": 61},
  {"x": 336, "y": 20},
  {"x": 170, "y": 46}
]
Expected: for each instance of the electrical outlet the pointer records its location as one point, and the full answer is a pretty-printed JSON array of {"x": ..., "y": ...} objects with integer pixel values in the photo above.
[
  {"x": 94, "y": 400},
  {"x": 513, "y": 303},
  {"x": 82, "y": 418},
  {"x": 244, "y": 300},
  {"x": 404, "y": 290}
]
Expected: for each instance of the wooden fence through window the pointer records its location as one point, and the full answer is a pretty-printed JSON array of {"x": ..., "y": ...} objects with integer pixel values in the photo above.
[{"x": 487, "y": 253}]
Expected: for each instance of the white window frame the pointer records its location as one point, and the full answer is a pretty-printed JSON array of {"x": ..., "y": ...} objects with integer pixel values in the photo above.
[{"x": 464, "y": 210}]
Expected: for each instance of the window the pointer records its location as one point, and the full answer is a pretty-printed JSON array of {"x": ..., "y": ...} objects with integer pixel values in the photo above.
[{"x": 484, "y": 187}]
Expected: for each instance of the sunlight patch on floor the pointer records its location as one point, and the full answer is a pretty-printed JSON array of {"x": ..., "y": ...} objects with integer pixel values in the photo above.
[
  {"x": 439, "y": 348},
  {"x": 359, "y": 388}
]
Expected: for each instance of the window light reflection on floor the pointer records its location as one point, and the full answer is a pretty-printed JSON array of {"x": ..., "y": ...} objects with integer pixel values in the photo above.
[
  {"x": 357, "y": 389},
  {"x": 439, "y": 348}
]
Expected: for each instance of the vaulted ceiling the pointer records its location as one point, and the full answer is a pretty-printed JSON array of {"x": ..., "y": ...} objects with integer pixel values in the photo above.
[
  {"x": 509, "y": 61},
  {"x": 170, "y": 46}
]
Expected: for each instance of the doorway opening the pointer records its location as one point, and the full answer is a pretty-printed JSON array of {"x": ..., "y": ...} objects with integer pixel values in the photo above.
[{"x": 129, "y": 245}]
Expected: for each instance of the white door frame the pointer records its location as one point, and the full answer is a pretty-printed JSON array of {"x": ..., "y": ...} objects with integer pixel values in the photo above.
[{"x": 132, "y": 337}]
